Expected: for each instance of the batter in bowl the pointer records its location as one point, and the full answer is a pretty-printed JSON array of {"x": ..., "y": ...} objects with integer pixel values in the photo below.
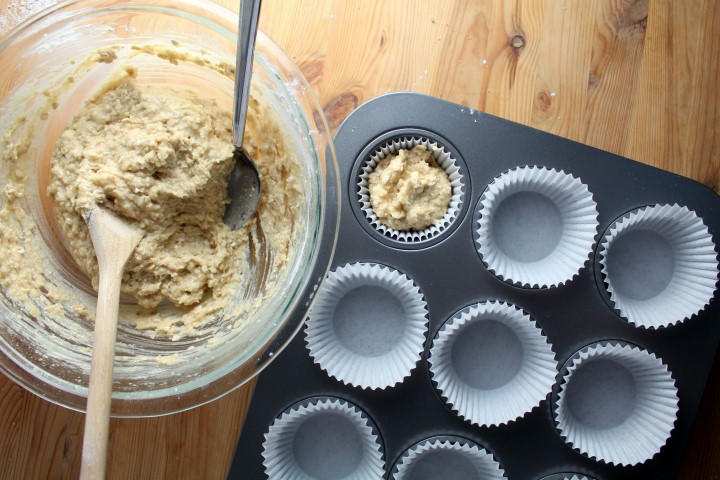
[
  {"x": 161, "y": 158},
  {"x": 214, "y": 310}
]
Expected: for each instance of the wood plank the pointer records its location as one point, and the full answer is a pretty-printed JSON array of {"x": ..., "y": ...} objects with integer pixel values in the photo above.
[
  {"x": 43, "y": 440},
  {"x": 613, "y": 74},
  {"x": 677, "y": 112}
]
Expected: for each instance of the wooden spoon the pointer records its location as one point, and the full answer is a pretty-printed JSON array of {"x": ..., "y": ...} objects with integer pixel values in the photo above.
[{"x": 114, "y": 240}]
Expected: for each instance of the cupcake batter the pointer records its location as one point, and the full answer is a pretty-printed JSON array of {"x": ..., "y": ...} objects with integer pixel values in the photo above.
[
  {"x": 409, "y": 190},
  {"x": 160, "y": 159}
]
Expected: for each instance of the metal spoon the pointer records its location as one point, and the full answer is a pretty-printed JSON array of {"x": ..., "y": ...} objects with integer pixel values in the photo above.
[{"x": 244, "y": 181}]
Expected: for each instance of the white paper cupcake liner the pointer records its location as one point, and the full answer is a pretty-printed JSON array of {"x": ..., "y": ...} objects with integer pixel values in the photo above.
[
  {"x": 617, "y": 403},
  {"x": 447, "y": 459},
  {"x": 492, "y": 363},
  {"x": 368, "y": 325},
  {"x": 444, "y": 159},
  {"x": 324, "y": 439},
  {"x": 537, "y": 226},
  {"x": 659, "y": 264}
]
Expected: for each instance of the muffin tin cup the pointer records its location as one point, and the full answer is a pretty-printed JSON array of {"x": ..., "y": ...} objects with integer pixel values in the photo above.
[
  {"x": 617, "y": 403},
  {"x": 444, "y": 159},
  {"x": 659, "y": 264},
  {"x": 537, "y": 226},
  {"x": 323, "y": 438},
  {"x": 368, "y": 325},
  {"x": 443, "y": 457},
  {"x": 492, "y": 364}
]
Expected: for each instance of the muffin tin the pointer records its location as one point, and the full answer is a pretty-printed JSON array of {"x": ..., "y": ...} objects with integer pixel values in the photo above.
[{"x": 452, "y": 277}]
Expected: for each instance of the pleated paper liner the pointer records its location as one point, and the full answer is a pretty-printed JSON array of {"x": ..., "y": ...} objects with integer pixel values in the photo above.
[
  {"x": 659, "y": 265},
  {"x": 368, "y": 325},
  {"x": 447, "y": 457},
  {"x": 323, "y": 438},
  {"x": 617, "y": 403},
  {"x": 492, "y": 364},
  {"x": 444, "y": 159},
  {"x": 536, "y": 226}
]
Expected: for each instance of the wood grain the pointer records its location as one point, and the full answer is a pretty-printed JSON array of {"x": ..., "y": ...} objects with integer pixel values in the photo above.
[{"x": 636, "y": 78}]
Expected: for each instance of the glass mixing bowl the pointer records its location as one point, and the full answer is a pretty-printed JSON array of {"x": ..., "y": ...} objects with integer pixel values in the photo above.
[{"x": 45, "y": 78}]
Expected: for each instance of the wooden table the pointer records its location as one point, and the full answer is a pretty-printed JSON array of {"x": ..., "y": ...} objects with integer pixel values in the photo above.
[{"x": 636, "y": 78}]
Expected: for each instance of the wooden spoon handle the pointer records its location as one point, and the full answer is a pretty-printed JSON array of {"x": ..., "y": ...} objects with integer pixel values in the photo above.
[
  {"x": 97, "y": 420},
  {"x": 114, "y": 241}
]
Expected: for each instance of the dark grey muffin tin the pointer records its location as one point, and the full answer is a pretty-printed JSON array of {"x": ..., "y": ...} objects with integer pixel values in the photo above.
[{"x": 451, "y": 276}]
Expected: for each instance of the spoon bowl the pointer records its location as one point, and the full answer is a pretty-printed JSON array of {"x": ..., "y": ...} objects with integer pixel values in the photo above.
[{"x": 244, "y": 190}]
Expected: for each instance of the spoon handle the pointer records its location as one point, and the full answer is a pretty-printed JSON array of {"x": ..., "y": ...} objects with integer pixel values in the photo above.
[
  {"x": 114, "y": 242},
  {"x": 247, "y": 31}
]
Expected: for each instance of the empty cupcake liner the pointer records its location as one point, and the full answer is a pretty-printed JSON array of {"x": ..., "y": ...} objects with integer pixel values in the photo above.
[
  {"x": 444, "y": 159},
  {"x": 537, "y": 226},
  {"x": 368, "y": 325},
  {"x": 447, "y": 457},
  {"x": 492, "y": 364},
  {"x": 323, "y": 439},
  {"x": 659, "y": 264},
  {"x": 617, "y": 403}
]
